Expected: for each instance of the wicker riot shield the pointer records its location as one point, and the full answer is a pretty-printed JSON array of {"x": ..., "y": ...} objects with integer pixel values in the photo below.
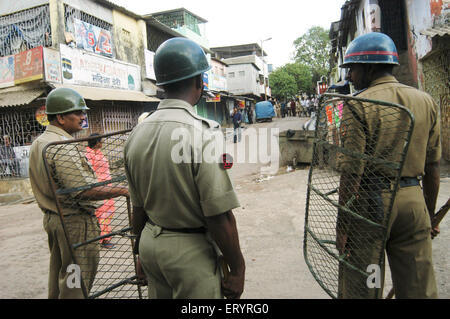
[
  {"x": 359, "y": 150},
  {"x": 104, "y": 250}
]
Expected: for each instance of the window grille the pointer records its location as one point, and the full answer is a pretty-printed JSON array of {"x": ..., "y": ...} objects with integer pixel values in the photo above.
[
  {"x": 118, "y": 118},
  {"x": 175, "y": 20},
  {"x": 156, "y": 37},
  {"x": 70, "y": 13},
  {"x": 18, "y": 129},
  {"x": 25, "y": 30},
  {"x": 393, "y": 22},
  {"x": 436, "y": 70}
]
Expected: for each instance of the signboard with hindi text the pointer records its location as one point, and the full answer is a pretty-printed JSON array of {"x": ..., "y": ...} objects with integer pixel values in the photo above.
[{"x": 82, "y": 68}]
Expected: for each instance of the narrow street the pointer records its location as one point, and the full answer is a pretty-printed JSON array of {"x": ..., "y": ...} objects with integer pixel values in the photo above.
[{"x": 270, "y": 223}]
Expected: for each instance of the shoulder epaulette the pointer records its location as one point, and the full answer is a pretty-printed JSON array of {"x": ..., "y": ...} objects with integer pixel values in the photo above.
[
  {"x": 210, "y": 123},
  {"x": 359, "y": 92}
]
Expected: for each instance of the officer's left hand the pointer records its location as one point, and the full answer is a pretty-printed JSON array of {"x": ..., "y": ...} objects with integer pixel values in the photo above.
[
  {"x": 233, "y": 286},
  {"x": 140, "y": 272},
  {"x": 435, "y": 231}
]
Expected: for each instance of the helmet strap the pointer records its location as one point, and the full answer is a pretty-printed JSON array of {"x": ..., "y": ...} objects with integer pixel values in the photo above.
[{"x": 199, "y": 84}]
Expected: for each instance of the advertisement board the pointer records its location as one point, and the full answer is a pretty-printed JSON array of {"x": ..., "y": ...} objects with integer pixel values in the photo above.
[
  {"x": 52, "y": 65},
  {"x": 6, "y": 71},
  {"x": 216, "y": 98},
  {"x": 92, "y": 38},
  {"x": 217, "y": 82},
  {"x": 149, "y": 69},
  {"x": 82, "y": 68},
  {"x": 205, "y": 81},
  {"x": 28, "y": 65},
  {"x": 41, "y": 117}
]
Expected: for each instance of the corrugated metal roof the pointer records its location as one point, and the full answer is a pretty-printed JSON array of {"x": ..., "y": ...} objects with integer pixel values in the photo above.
[
  {"x": 441, "y": 31},
  {"x": 101, "y": 94},
  {"x": 19, "y": 97}
]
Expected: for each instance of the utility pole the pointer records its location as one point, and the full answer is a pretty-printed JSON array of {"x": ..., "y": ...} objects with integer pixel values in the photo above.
[{"x": 264, "y": 67}]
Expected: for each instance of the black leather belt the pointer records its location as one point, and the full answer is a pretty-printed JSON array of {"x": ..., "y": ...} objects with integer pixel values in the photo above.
[
  {"x": 409, "y": 181},
  {"x": 404, "y": 182},
  {"x": 199, "y": 230},
  {"x": 46, "y": 211}
]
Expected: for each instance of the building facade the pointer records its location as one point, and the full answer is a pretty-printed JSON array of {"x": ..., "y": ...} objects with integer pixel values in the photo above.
[
  {"x": 94, "y": 47},
  {"x": 248, "y": 72}
]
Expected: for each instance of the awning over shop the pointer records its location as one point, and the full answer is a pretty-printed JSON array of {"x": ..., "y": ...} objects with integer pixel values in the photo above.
[
  {"x": 19, "y": 97},
  {"x": 101, "y": 94},
  {"x": 438, "y": 30}
]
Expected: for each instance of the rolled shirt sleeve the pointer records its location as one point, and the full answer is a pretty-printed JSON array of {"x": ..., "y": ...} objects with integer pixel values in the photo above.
[
  {"x": 214, "y": 186},
  {"x": 434, "y": 151}
]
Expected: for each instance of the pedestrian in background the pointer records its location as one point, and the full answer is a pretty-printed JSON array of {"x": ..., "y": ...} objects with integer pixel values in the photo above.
[
  {"x": 100, "y": 166},
  {"x": 9, "y": 164},
  {"x": 237, "y": 119}
]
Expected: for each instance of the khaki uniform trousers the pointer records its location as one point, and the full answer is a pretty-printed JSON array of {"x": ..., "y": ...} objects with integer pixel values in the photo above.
[
  {"x": 408, "y": 249},
  {"x": 179, "y": 265},
  {"x": 409, "y": 246},
  {"x": 80, "y": 228}
]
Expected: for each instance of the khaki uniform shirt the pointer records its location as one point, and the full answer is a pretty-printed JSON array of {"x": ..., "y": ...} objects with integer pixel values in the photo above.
[
  {"x": 70, "y": 167},
  {"x": 382, "y": 140},
  {"x": 176, "y": 193}
]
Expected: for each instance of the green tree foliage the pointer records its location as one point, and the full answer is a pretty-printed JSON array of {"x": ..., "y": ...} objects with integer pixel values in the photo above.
[
  {"x": 301, "y": 73},
  {"x": 283, "y": 84},
  {"x": 313, "y": 49},
  {"x": 291, "y": 79},
  {"x": 311, "y": 62}
]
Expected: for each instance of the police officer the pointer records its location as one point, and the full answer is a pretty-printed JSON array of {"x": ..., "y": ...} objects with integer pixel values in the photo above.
[
  {"x": 370, "y": 59},
  {"x": 182, "y": 205},
  {"x": 65, "y": 109}
]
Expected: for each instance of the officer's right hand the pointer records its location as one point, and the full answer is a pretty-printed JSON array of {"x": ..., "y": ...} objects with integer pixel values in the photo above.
[
  {"x": 233, "y": 286},
  {"x": 341, "y": 241},
  {"x": 140, "y": 272}
]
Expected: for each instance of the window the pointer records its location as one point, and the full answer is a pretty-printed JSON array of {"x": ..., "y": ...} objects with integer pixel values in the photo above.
[
  {"x": 126, "y": 37},
  {"x": 231, "y": 75},
  {"x": 25, "y": 30},
  {"x": 88, "y": 32},
  {"x": 241, "y": 74},
  {"x": 393, "y": 21},
  {"x": 70, "y": 13}
]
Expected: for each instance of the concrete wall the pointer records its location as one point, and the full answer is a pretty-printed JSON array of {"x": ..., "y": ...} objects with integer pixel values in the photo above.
[
  {"x": 129, "y": 39},
  {"x": 11, "y": 6},
  {"x": 92, "y": 8},
  {"x": 261, "y": 65},
  {"x": 246, "y": 84}
]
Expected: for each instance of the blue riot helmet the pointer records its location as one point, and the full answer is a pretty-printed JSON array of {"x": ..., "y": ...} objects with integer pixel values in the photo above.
[{"x": 371, "y": 48}]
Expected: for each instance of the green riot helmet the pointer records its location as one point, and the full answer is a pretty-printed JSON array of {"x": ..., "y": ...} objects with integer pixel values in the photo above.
[
  {"x": 179, "y": 59},
  {"x": 64, "y": 100}
]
